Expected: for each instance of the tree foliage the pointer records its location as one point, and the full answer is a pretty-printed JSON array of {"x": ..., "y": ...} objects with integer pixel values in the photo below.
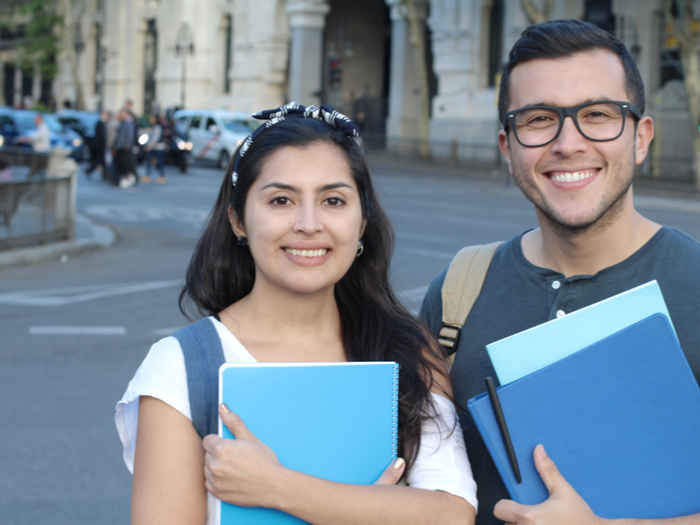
[{"x": 40, "y": 46}]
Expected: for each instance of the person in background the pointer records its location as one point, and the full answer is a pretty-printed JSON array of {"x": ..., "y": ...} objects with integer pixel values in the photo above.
[
  {"x": 155, "y": 150},
  {"x": 40, "y": 139},
  {"x": 99, "y": 146},
  {"x": 123, "y": 143}
]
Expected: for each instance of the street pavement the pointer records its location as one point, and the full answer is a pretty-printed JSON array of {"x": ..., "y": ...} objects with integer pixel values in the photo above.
[{"x": 75, "y": 324}]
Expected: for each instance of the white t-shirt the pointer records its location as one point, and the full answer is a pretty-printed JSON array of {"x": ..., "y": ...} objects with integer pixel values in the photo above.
[
  {"x": 441, "y": 464},
  {"x": 41, "y": 140}
]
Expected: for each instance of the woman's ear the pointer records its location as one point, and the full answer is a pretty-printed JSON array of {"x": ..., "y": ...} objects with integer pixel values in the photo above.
[
  {"x": 236, "y": 224},
  {"x": 363, "y": 227}
]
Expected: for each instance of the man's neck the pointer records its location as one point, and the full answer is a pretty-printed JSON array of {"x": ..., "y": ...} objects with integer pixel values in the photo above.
[{"x": 589, "y": 251}]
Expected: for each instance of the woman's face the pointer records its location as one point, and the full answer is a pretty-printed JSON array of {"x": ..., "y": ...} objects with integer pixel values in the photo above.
[{"x": 303, "y": 219}]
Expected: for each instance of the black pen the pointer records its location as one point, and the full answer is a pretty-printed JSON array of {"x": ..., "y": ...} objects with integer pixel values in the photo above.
[{"x": 498, "y": 411}]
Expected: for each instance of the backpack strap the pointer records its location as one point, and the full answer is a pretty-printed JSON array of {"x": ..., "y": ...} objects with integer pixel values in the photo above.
[
  {"x": 461, "y": 287},
  {"x": 201, "y": 348}
]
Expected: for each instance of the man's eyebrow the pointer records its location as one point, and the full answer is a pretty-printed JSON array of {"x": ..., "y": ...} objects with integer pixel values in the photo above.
[
  {"x": 543, "y": 103},
  {"x": 289, "y": 187}
]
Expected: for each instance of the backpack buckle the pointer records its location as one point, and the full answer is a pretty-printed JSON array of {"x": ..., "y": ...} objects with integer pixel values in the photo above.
[{"x": 448, "y": 337}]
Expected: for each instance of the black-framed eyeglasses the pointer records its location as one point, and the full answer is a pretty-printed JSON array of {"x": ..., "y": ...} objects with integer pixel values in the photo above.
[{"x": 599, "y": 121}]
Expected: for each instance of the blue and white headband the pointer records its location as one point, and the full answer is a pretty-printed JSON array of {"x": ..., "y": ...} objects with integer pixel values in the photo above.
[{"x": 323, "y": 113}]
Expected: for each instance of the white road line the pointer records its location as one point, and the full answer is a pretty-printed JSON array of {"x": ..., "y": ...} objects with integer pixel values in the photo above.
[
  {"x": 78, "y": 294},
  {"x": 77, "y": 330},
  {"x": 164, "y": 332}
]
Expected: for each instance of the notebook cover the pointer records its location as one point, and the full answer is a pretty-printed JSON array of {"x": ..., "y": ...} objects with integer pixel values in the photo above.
[
  {"x": 520, "y": 354},
  {"x": 337, "y": 421},
  {"x": 620, "y": 418}
]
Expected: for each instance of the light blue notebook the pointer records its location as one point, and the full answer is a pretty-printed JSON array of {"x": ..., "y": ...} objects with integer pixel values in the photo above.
[
  {"x": 520, "y": 354},
  {"x": 336, "y": 421},
  {"x": 620, "y": 418}
]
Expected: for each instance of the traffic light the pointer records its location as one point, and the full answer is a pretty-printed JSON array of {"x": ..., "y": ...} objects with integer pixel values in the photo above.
[{"x": 335, "y": 72}]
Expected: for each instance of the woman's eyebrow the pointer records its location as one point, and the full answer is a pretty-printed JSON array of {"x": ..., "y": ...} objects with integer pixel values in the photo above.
[{"x": 289, "y": 187}]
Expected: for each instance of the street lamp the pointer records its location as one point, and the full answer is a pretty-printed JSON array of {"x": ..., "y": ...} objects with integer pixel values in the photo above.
[{"x": 184, "y": 46}]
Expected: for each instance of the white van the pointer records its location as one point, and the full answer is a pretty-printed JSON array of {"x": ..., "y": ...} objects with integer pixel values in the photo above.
[{"x": 214, "y": 134}]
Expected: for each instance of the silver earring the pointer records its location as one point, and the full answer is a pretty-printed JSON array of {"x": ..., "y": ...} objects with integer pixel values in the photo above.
[
  {"x": 242, "y": 241},
  {"x": 360, "y": 248}
]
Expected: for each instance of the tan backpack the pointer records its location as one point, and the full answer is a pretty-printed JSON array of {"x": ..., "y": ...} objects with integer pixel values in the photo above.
[{"x": 461, "y": 287}]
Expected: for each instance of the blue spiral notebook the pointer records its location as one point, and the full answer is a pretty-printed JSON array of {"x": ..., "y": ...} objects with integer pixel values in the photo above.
[
  {"x": 620, "y": 418},
  {"x": 336, "y": 421}
]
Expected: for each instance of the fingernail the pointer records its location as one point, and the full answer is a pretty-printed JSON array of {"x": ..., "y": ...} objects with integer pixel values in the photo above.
[
  {"x": 223, "y": 409},
  {"x": 398, "y": 463}
]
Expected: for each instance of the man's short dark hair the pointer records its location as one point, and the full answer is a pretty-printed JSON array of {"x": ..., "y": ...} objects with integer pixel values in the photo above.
[{"x": 563, "y": 38}]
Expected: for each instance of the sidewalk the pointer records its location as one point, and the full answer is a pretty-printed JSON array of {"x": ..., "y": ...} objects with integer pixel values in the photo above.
[{"x": 88, "y": 236}]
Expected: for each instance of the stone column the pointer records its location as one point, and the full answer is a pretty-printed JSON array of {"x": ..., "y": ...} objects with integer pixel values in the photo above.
[
  {"x": 18, "y": 86},
  {"x": 407, "y": 88},
  {"x": 306, "y": 20}
]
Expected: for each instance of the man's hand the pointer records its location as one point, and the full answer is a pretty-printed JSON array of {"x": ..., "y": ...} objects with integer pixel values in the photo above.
[{"x": 564, "y": 505}]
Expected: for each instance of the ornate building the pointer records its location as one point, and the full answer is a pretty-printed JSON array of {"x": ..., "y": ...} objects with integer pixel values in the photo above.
[{"x": 415, "y": 73}]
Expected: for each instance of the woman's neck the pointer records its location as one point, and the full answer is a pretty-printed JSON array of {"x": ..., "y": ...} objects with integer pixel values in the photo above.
[{"x": 276, "y": 325}]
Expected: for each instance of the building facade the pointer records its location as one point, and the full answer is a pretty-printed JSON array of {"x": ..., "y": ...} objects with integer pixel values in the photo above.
[{"x": 416, "y": 74}]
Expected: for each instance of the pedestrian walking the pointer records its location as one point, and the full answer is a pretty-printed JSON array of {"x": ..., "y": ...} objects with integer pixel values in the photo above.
[
  {"x": 99, "y": 146},
  {"x": 293, "y": 266},
  {"x": 123, "y": 143},
  {"x": 155, "y": 150},
  {"x": 571, "y": 106}
]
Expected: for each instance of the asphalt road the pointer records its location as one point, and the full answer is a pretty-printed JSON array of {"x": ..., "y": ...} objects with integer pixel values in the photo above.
[{"x": 73, "y": 332}]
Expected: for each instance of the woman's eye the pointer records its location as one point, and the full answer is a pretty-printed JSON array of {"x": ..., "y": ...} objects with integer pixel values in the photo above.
[
  {"x": 335, "y": 201},
  {"x": 280, "y": 201}
]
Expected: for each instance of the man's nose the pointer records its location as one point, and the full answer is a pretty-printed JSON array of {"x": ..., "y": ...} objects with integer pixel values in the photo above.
[{"x": 570, "y": 140}]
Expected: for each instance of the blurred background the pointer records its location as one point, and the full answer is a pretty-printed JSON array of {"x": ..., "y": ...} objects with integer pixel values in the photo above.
[{"x": 99, "y": 95}]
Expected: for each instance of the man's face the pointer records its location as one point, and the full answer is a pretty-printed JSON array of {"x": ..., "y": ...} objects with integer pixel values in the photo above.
[{"x": 574, "y": 182}]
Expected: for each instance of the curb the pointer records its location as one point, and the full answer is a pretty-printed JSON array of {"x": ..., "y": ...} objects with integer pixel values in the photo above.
[{"x": 100, "y": 237}]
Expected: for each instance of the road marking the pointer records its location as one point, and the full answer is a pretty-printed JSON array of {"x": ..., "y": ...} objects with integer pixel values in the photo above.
[
  {"x": 78, "y": 294},
  {"x": 164, "y": 332},
  {"x": 77, "y": 330}
]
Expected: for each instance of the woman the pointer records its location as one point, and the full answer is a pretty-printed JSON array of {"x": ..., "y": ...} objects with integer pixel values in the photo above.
[{"x": 293, "y": 266}]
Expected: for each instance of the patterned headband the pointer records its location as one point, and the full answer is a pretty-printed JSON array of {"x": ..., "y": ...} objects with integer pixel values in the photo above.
[{"x": 323, "y": 113}]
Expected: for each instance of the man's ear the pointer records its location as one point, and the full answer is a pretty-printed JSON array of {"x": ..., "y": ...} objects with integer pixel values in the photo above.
[
  {"x": 504, "y": 147},
  {"x": 642, "y": 138},
  {"x": 236, "y": 224}
]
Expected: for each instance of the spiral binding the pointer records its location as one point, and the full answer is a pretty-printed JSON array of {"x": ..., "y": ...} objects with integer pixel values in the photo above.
[{"x": 395, "y": 413}]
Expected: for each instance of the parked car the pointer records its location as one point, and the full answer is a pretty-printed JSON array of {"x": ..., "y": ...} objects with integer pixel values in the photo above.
[
  {"x": 214, "y": 134},
  {"x": 16, "y": 123},
  {"x": 83, "y": 123}
]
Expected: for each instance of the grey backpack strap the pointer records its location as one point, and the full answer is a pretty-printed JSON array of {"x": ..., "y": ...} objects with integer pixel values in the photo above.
[
  {"x": 461, "y": 288},
  {"x": 201, "y": 348}
]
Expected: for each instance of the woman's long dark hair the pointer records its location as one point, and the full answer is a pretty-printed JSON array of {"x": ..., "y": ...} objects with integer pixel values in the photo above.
[{"x": 375, "y": 327}]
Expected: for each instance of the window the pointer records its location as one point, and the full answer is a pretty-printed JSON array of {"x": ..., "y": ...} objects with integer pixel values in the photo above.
[
  {"x": 195, "y": 122},
  {"x": 211, "y": 123}
]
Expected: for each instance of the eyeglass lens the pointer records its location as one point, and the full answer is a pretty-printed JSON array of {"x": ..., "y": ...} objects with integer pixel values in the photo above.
[{"x": 600, "y": 121}]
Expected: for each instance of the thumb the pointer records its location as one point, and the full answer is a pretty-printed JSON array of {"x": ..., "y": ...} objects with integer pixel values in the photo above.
[
  {"x": 393, "y": 473},
  {"x": 548, "y": 471},
  {"x": 234, "y": 423}
]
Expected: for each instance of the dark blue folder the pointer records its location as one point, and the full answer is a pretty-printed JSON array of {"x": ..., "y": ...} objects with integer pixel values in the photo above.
[{"x": 621, "y": 419}]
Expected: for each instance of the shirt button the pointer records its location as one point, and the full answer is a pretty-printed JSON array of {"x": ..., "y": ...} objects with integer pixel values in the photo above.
[
  {"x": 556, "y": 285},
  {"x": 560, "y": 313}
]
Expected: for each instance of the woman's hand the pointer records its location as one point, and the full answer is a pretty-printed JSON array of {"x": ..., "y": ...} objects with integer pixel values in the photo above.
[{"x": 242, "y": 471}]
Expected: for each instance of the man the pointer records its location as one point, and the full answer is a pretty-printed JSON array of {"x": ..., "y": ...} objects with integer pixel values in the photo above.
[
  {"x": 99, "y": 145},
  {"x": 40, "y": 139},
  {"x": 123, "y": 142},
  {"x": 571, "y": 105}
]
